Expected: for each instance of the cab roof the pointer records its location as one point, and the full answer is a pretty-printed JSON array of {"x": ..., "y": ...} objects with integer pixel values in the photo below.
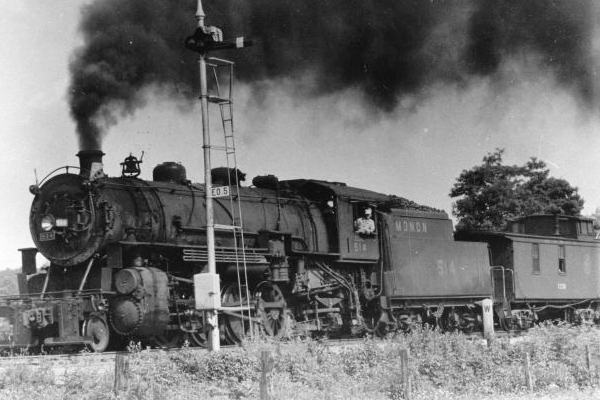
[{"x": 323, "y": 189}]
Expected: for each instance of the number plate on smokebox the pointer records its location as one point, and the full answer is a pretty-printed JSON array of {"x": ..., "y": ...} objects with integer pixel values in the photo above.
[{"x": 45, "y": 236}]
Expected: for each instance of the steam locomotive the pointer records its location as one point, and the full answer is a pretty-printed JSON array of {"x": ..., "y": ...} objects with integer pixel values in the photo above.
[{"x": 123, "y": 253}]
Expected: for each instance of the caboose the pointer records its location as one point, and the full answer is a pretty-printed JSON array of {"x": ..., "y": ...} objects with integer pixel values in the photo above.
[{"x": 545, "y": 267}]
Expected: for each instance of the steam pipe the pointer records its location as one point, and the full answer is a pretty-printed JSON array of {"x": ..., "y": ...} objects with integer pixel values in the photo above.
[{"x": 85, "y": 276}]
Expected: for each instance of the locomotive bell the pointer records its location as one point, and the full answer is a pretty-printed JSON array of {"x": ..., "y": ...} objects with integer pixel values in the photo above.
[{"x": 130, "y": 167}]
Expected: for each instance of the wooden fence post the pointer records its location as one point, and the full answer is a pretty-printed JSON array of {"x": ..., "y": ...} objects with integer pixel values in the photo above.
[
  {"x": 405, "y": 374},
  {"x": 266, "y": 377},
  {"x": 528, "y": 374},
  {"x": 121, "y": 366},
  {"x": 588, "y": 358}
]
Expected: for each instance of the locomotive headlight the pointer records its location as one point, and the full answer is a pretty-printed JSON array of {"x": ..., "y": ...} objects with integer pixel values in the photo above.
[{"x": 47, "y": 223}]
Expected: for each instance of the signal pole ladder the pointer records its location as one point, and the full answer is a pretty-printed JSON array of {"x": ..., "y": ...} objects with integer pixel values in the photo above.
[{"x": 223, "y": 97}]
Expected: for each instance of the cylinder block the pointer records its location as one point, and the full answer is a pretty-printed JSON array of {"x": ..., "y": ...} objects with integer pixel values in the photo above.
[
  {"x": 143, "y": 307},
  {"x": 126, "y": 315},
  {"x": 127, "y": 280}
]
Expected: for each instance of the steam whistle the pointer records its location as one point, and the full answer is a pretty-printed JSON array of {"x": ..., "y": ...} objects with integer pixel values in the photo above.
[{"x": 208, "y": 38}]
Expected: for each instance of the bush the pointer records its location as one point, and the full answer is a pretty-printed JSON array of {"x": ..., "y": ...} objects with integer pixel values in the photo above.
[
  {"x": 442, "y": 366},
  {"x": 222, "y": 366}
]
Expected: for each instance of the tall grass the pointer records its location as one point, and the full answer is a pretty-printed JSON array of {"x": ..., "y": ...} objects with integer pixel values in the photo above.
[{"x": 442, "y": 366}]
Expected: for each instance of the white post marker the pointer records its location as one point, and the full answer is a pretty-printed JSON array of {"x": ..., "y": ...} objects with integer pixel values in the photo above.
[{"x": 487, "y": 307}]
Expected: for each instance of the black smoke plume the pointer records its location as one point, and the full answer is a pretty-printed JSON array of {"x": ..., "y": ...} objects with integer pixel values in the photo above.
[
  {"x": 387, "y": 49},
  {"x": 128, "y": 46}
]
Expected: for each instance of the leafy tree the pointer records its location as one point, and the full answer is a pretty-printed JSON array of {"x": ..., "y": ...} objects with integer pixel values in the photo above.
[
  {"x": 8, "y": 282},
  {"x": 491, "y": 193}
]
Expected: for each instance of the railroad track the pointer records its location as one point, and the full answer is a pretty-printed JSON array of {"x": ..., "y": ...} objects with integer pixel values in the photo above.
[
  {"x": 109, "y": 356},
  {"x": 106, "y": 360}
]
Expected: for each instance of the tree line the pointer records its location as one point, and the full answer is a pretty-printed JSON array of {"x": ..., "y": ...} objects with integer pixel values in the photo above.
[{"x": 490, "y": 194}]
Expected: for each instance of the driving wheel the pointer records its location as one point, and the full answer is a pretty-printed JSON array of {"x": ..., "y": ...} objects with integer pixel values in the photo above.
[
  {"x": 237, "y": 323},
  {"x": 97, "y": 329},
  {"x": 271, "y": 310}
]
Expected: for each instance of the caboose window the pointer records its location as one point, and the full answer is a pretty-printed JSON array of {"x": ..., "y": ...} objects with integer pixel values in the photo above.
[
  {"x": 535, "y": 258},
  {"x": 562, "y": 262}
]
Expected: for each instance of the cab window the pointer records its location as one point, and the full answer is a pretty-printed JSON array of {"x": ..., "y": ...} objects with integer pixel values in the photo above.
[{"x": 364, "y": 220}]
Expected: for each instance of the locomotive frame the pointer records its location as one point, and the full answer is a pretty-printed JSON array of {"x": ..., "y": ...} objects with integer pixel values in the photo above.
[{"x": 124, "y": 252}]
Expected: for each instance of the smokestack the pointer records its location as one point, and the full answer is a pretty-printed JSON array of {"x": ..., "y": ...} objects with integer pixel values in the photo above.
[{"x": 90, "y": 164}]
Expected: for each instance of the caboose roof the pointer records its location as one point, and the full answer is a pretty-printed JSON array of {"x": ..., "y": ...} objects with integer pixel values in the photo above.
[{"x": 539, "y": 226}]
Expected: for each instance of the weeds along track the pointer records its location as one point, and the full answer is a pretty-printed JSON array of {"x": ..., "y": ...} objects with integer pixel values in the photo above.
[
  {"x": 59, "y": 369},
  {"x": 106, "y": 361},
  {"x": 59, "y": 362},
  {"x": 90, "y": 359}
]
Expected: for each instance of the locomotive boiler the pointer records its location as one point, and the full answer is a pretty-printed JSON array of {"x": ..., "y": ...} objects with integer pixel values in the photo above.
[{"x": 123, "y": 252}]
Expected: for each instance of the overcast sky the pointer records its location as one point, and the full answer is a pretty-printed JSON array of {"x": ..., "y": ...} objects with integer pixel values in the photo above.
[{"x": 416, "y": 151}]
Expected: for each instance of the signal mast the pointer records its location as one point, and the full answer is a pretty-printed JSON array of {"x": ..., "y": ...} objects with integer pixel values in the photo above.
[{"x": 207, "y": 286}]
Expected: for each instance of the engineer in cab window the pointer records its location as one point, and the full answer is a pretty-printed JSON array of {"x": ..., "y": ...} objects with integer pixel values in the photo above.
[{"x": 364, "y": 225}]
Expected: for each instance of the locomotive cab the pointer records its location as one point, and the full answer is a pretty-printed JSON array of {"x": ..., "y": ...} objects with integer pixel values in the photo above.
[{"x": 341, "y": 207}]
